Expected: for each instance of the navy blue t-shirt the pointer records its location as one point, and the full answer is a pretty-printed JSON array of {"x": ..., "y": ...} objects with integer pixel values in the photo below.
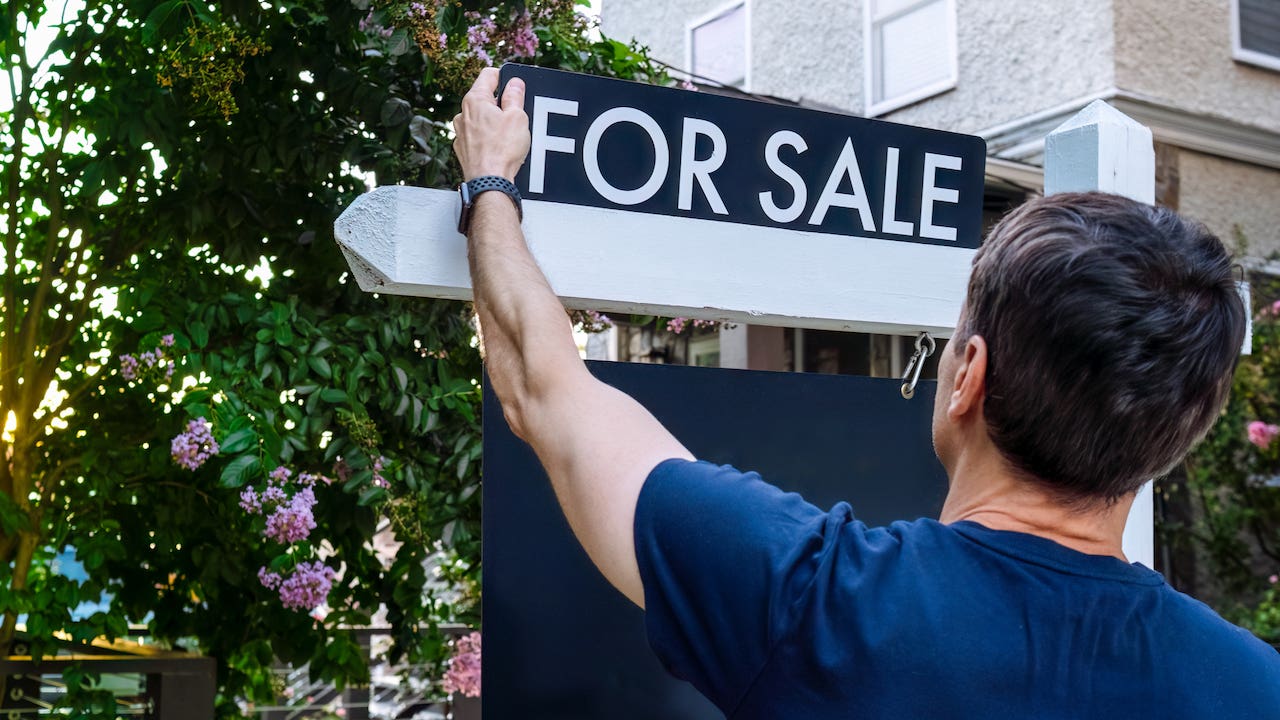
[{"x": 773, "y": 609}]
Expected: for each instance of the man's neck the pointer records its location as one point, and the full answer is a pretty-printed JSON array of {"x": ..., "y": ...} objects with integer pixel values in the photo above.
[{"x": 986, "y": 492}]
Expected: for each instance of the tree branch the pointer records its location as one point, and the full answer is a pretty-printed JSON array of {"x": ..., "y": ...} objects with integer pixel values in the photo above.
[{"x": 21, "y": 110}]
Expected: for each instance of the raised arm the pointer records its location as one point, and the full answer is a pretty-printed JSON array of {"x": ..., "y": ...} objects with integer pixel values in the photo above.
[{"x": 596, "y": 443}]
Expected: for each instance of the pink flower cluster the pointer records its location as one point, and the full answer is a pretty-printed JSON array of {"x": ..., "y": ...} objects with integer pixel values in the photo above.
[
  {"x": 678, "y": 325},
  {"x": 190, "y": 449},
  {"x": 1262, "y": 434},
  {"x": 523, "y": 42},
  {"x": 369, "y": 24},
  {"x": 305, "y": 588},
  {"x": 597, "y": 320},
  {"x": 463, "y": 673},
  {"x": 480, "y": 34},
  {"x": 378, "y": 465},
  {"x": 131, "y": 366},
  {"x": 290, "y": 518}
]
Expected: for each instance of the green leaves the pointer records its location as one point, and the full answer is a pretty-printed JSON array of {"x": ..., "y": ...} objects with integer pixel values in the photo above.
[
  {"x": 321, "y": 367},
  {"x": 238, "y": 472},
  {"x": 302, "y": 370},
  {"x": 156, "y": 20},
  {"x": 239, "y": 441},
  {"x": 199, "y": 334}
]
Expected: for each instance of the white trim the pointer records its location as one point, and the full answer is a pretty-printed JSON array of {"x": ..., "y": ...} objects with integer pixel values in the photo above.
[
  {"x": 404, "y": 241},
  {"x": 1023, "y": 174},
  {"x": 875, "y": 109},
  {"x": 1023, "y": 138},
  {"x": 707, "y": 17},
  {"x": 1261, "y": 265},
  {"x": 1240, "y": 53}
]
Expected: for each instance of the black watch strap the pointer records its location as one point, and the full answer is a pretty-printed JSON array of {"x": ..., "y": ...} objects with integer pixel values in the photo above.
[{"x": 472, "y": 188}]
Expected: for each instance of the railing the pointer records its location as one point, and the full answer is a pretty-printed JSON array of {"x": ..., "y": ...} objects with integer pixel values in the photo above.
[
  {"x": 156, "y": 684},
  {"x": 168, "y": 685}
]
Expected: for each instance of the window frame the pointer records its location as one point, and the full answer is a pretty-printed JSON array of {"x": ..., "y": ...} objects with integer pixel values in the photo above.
[
  {"x": 1239, "y": 53},
  {"x": 870, "y": 66},
  {"x": 716, "y": 13}
]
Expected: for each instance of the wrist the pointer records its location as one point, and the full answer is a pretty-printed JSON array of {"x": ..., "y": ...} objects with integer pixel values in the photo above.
[
  {"x": 472, "y": 194},
  {"x": 505, "y": 172}
]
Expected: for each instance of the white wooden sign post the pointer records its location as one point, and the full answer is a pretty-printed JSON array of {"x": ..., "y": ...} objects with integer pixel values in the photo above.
[
  {"x": 1101, "y": 148},
  {"x": 749, "y": 231}
]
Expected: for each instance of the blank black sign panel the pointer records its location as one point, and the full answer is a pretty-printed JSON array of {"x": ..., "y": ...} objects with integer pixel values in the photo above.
[{"x": 559, "y": 641}]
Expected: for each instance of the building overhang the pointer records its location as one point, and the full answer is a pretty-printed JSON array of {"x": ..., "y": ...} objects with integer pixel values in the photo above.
[{"x": 1022, "y": 140}]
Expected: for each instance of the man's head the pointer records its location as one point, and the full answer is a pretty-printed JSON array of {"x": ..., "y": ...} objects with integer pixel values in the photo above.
[{"x": 1109, "y": 330}]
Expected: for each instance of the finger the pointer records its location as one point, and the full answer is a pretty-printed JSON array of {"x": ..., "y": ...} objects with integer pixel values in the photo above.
[
  {"x": 513, "y": 95},
  {"x": 457, "y": 122},
  {"x": 486, "y": 84}
]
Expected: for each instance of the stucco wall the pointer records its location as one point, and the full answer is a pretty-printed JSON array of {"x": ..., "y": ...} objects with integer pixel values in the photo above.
[
  {"x": 1224, "y": 194},
  {"x": 1180, "y": 51},
  {"x": 1017, "y": 58},
  {"x": 809, "y": 52},
  {"x": 660, "y": 24}
]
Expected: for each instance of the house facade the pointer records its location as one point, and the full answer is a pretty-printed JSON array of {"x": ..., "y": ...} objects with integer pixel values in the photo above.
[{"x": 1204, "y": 75}]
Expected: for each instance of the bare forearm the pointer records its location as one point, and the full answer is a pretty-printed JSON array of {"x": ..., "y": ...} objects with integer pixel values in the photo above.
[
  {"x": 528, "y": 341},
  {"x": 597, "y": 444}
]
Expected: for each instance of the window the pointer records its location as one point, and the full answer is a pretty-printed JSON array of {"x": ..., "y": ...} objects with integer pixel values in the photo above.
[
  {"x": 718, "y": 46},
  {"x": 1255, "y": 32},
  {"x": 910, "y": 51}
]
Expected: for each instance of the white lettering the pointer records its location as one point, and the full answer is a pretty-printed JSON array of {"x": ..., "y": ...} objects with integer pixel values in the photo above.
[
  {"x": 847, "y": 164},
  {"x": 542, "y": 143},
  {"x": 785, "y": 172},
  {"x": 591, "y": 159},
  {"x": 692, "y": 168},
  {"x": 931, "y": 194},
  {"x": 889, "y": 219}
]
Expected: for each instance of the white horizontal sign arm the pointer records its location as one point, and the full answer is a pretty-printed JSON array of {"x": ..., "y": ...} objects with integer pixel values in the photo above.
[{"x": 401, "y": 240}]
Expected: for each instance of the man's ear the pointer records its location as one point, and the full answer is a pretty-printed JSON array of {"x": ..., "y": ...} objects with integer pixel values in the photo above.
[{"x": 969, "y": 384}]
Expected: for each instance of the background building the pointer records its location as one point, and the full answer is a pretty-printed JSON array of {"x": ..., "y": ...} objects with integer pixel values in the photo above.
[{"x": 1204, "y": 75}]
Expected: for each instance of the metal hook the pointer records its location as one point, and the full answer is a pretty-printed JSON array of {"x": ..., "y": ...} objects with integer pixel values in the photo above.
[{"x": 924, "y": 348}]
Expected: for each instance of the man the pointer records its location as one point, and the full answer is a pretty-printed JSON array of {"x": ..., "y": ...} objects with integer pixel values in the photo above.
[{"x": 1096, "y": 345}]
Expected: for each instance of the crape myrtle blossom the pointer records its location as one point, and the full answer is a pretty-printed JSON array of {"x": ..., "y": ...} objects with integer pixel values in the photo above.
[
  {"x": 128, "y": 367},
  {"x": 292, "y": 521},
  {"x": 479, "y": 35},
  {"x": 463, "y": 673},
  {"x": 290, "y": 518},
  {"x": 190, "y": 449},
  {"x": 1262, "y": 434},
  {"x": 523, "y": 42},
  {"x": 133, "y": 367},
  {"x": 288, "y": 503},
  {"x": 305, "y": 588},
  {"x": 678, "y": 325}
]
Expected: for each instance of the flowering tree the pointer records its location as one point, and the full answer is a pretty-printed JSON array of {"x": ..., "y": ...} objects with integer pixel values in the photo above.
[
  {"x": 195, "y": 400},
  {"x": 1233, "y": 484}
]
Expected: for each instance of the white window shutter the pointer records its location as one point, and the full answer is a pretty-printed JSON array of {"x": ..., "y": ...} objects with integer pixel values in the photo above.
[
  {"x": 718, "y": 46},
  {"x": 912, "y": 51}
]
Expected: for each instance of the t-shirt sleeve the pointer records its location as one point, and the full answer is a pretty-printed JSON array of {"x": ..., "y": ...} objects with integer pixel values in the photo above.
[{"x": 726, "y": 559}]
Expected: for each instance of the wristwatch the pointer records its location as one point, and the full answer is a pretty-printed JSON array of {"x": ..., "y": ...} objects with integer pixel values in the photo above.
[{"x": 472, "y": 188}]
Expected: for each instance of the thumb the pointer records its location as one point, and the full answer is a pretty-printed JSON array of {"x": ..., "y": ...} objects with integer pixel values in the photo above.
[{"x": 513, "y": 95}]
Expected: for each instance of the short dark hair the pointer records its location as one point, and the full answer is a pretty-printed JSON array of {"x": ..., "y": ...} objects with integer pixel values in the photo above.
[{"x": 1113, "y": 329}]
